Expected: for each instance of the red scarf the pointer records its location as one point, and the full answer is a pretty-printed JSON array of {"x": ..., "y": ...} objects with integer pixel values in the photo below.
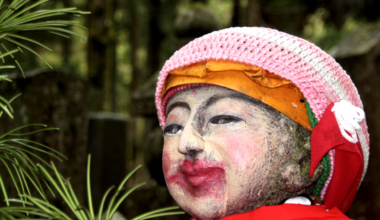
[{"x": 290, "y": 212}]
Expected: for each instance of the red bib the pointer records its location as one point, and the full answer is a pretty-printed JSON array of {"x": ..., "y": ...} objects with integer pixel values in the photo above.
[{"x": 290, "y": 212}]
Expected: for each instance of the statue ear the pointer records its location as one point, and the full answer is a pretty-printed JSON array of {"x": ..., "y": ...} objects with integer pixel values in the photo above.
[{"x": 294, "y": 174}]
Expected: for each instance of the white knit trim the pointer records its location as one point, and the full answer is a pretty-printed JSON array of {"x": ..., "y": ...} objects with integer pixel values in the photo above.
[
  {"x": 365, "y": 149},
  {"x": 348, "y": 117}
]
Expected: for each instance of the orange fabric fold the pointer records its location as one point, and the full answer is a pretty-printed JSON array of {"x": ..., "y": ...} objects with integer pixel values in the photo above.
[{"x": 279, "y": 93}]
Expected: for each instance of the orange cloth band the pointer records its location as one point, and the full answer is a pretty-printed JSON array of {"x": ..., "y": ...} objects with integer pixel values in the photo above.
[{"x": 260, "y": 84}]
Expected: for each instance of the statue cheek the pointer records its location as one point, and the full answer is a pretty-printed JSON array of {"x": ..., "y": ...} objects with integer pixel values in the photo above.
[
  {"x": 241, "y": 149},
  {"x": 166, "y": 163}
]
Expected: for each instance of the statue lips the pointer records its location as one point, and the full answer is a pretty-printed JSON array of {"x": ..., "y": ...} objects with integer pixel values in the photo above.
[{"x": 200, "y": 178}]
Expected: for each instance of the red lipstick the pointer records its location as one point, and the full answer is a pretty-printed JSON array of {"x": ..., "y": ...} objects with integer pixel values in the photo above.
[
  {"x": 201, "y": 173},
  {"x": 200, "y": 178}
]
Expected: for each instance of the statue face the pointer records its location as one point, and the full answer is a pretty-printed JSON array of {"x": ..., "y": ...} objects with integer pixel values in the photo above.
[{"x": 226, "y": 153}]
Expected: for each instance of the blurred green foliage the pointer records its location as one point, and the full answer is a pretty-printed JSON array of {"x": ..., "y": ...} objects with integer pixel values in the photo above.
[{"x": 146, "y": 34}]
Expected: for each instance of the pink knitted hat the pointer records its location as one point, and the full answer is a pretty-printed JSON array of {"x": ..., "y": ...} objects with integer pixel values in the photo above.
[{"x": 322, "y": 82}]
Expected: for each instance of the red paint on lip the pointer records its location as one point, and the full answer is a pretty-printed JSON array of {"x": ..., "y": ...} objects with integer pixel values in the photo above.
[{"x": 200, "y": 178}]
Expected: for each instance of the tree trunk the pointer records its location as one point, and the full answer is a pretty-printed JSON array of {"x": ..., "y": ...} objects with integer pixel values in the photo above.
[
  {"x": 110, "y": 74},
  {"x": 253, "y": 14},
  {"x": 235, "y": 14},
  {"x": 66, "y": 42},
  {"x": 101, "y": 55},
  {"x": 156, "y": 37},
  {"x": 134, "y": 41}
]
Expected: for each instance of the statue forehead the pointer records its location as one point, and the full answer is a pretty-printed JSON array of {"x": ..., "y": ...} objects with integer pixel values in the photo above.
[{"x": 199, "y": 95}]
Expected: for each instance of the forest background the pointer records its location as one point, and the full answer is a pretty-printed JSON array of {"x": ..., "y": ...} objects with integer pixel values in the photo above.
[{"x": 129, "y": 40}]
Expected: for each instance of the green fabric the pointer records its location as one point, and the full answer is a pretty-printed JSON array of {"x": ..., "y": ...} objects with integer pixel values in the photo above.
[
  {"x": 313, "y": 120},
  {"x": 325, "y": 175},
  {"x": 326, "y": 159}
]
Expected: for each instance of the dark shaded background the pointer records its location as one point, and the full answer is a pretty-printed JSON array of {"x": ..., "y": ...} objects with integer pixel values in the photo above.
[{"x": 128, "y": 42}]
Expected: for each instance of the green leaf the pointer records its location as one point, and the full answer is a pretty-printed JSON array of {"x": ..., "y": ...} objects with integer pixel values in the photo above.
[
  {"x": 109, "y": 216},
  {"x": 10, "y": 153},
  {"x": 5, "y": 77},
  {"x": 23, "y": 178},
  {"x": 5, "y": 215},
  {"x": 46, "y": 206},
  {"x": 21, "y": 152},
  {"x": 58, "y": 188},
  {"x": 4, "y": 191},
  {"x": 19, "y": 178},
  {"x": 19, "y": 128},
  {"x": 24, "y": 134},
  {"x": 30, "y": 40},
  {"x": 143, "y": 216},
  {"x": 36, "y": 143},
  {"x": 35, "y": 183},
  {"x": 5, "y": 109},
  {"x": 12, "y": 8},
  {"x": 103, "y": 201},
  {"x": 28, "y": 48},
  {"x": 89, "y": 187},
  {"x": 17, "y": 63},
  {"x": 8, "y": 53},
  {"x": 59, "y": 34},
  {"x": 12, "y": 176},
  {"x": 8, "y": 104},
  {"x": 14, "y": 97},
  {"x": 24, "y": 10},
  {"x": 119, "y": 189},
  {"x": 27, "y": 18},
  {"x": 7, "y": 67},
  {"x": 34, "y": 148},
  {"x": 33, "y": 16},
  {"x": 75, "y": 199},
  {"x": 18, "y": 17}
]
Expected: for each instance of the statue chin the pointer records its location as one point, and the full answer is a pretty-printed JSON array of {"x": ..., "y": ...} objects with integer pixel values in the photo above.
[{"x": 226, "y": 153}]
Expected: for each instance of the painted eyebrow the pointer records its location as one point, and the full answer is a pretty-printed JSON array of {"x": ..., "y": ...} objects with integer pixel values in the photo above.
[
  {"x": 177, "y": 104},
  {"x": 212, "y": 100}
]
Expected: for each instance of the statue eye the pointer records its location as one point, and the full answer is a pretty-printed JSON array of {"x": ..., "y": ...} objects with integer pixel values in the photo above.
[
  {"x": 224, "y": 119},
  {"x": 172, "y": 129}
]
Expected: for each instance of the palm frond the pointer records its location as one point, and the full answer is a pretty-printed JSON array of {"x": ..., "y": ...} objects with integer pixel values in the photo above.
[
  {"x": 18, "y": 17},
  {"x": 6, "y": 105},
  {"x": 17, "y": 153},
  {"x": 43, "y": 209}
]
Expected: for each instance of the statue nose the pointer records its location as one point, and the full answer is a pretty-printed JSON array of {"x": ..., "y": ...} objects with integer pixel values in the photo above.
[{"x": 191, "y": 142}]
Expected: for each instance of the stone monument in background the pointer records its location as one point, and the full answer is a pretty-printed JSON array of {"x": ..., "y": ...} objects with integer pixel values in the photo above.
[{"x": 56, "y": 99}]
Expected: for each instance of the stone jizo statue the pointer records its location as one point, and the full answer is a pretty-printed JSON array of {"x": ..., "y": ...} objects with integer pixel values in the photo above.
[{"x": 259, "y": 124}]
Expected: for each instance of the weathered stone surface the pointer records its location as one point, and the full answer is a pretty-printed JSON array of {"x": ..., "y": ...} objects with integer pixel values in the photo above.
[
  {"x": 107, "y": 145},
  {"x": 57, "y": 99}
]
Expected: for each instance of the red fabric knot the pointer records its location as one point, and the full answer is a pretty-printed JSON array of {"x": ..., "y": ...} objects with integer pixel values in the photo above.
[{"x": 349, "y": 162}]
